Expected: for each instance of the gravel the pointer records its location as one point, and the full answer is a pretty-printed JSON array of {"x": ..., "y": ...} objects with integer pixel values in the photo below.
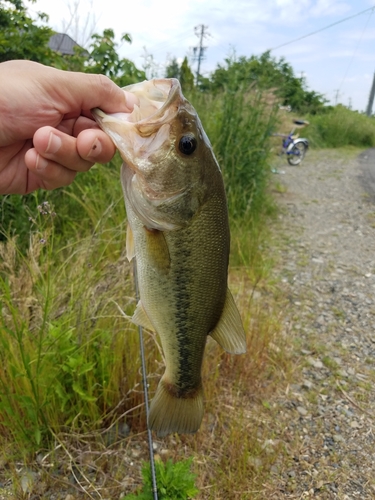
[{"x": 327, "y": 272}]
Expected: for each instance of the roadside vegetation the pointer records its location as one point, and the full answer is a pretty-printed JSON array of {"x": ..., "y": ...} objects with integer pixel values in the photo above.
[{"x": 71, "y": 404}]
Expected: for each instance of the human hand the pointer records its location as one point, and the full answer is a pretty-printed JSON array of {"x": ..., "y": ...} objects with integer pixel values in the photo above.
[{"x": 47, "y": 133}]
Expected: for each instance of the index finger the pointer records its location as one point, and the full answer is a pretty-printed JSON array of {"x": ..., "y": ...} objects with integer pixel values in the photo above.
[{"x": 86, "y": 91}]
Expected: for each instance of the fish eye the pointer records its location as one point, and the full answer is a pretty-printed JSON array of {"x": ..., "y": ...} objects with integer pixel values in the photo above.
[{"x": 187, "y": 144}]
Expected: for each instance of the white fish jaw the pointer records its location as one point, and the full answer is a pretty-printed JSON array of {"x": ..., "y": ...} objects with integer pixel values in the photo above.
[{"x": 143, "y": 132}]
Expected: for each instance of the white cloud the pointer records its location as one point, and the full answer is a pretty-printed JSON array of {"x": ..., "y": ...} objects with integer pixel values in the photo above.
[{"x": 251, "y": 27}]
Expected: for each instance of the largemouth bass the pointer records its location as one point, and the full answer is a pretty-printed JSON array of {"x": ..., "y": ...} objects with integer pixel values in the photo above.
[{"x": 179, "y": 232}]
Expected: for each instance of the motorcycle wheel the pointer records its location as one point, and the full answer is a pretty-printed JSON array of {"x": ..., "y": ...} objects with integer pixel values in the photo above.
[{"x": 297, "y": 153}]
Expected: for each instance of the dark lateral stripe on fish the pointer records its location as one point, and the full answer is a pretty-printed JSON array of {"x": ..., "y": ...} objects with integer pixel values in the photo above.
[{"x": 183, "y": 303}]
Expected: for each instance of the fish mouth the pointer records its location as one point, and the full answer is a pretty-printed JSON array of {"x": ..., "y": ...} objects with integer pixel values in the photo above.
[{"x": 143, "y": 132}]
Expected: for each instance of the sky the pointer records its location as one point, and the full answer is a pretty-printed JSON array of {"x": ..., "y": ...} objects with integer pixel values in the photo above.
[{"x": 337, "y": 62}]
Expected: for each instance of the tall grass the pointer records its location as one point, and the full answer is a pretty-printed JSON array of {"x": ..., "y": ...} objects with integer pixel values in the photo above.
[
  {"x": 239, "y": 124},
  {"x": 67, "y": 355},
  {"x": 69, "y": 361},
  {"x": 341, "y": 127}
]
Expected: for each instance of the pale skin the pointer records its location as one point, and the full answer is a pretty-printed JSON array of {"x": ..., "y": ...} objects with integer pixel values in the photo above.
[{"x": 47, "y": 133}]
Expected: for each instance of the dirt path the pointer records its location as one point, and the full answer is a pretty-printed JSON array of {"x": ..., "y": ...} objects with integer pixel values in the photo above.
[{"x": 326, "y": 415}]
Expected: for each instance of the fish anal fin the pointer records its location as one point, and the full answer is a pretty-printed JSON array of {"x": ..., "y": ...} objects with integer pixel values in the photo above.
[
  {"x": 130, "y": 248},
  {"x": 170, "y": 412},
  {"x": 157, "y": 250},
  {"x": 229, "y": 332},
  {"x": 140, "y": 318}
]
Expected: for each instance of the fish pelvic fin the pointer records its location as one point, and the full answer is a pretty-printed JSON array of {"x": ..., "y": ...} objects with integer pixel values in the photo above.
[
  {"x": 229, "y": 332},
  {"x": 171, "y": 412},
  {"x": 130, "y": 248}
]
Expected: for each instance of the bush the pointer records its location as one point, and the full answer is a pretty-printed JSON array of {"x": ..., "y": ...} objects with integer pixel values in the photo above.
[{"x": 341, "y": 127}]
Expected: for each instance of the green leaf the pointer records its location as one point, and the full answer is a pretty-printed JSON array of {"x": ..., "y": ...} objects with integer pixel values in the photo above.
[{"x": 79, "y": 390}]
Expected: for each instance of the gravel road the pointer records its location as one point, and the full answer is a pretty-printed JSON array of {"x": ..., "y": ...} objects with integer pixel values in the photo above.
[{"x": 327, "y": 271}]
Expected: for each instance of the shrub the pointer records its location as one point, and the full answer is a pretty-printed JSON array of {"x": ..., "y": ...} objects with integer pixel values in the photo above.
[{"x": 341, "y": 127}]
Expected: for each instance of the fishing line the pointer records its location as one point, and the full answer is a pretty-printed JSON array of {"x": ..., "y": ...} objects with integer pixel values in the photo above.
[{"x": 145, "y": 389}]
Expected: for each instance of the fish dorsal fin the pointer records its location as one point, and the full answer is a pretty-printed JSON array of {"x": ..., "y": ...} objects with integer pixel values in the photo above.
[
  {"x": 229, "y": 332},
  {"x": 130, "y": 248},
  {"x": 140, "y": 318}
]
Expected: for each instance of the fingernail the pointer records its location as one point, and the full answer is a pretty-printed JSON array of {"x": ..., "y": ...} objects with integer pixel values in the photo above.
[
  {"x": 41, "y": 163},
  {"x": 54, "y": 144},
  {"x": 95, "y": 150}
]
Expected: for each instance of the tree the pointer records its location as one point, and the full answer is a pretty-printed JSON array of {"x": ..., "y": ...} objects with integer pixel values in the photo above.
[
  {"x": 183, "y": 73},
  {"x": 267, "y": 73},
  {"x": 21, "y": 37},
  {"x": 186, "y": 76},
  {"x": 173, "y": 69},
  {"x": 105, "y": 60}
]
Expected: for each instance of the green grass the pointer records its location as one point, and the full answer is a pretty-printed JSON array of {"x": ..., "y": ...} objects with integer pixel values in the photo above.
[
  {"x": 239, "y": 125},
  {"x": 341, "y": 127},
  {"x": 70, "y": 360}
]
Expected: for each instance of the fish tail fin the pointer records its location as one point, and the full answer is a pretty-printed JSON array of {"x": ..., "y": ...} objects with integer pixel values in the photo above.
[{"x": 170, "y": 412}]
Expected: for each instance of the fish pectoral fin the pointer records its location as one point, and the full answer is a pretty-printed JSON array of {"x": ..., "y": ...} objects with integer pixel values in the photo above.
[
  {"x": 130, "y": 248},
  {"x": 157, "y": 250},
  {"x": 229, "y": 332},
  {"x": 140, "y": 318}
]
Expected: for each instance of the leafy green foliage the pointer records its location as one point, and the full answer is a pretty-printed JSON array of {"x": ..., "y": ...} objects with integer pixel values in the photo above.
[
  {"x": 173, "y": 69},
  {"x": 339, "y": 126},
  {"x": 175, "y": 481},
  {"x": 64, "y": 347},
  {"x": 183, "y": 73},
  {"x": 239, "y": 121},
  {"x": 267, "y": 73},
  {"x": 104, "y": 59},
  {"x": 186, "y": 76},
  {"x": 21, "y": 37}
]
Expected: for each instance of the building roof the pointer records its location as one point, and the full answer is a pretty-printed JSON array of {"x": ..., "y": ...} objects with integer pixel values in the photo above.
[{"x": 60, "y": 42}]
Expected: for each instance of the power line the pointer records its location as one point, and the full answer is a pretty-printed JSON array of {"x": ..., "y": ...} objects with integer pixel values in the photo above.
[
  {"x": 355, "y": 50},
  {"x": 322, "y": 29},
  {"x": 166, "y": 44}
]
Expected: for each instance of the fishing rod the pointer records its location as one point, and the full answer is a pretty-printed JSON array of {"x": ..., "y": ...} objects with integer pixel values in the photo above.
[{"x": 145, "y": 390}]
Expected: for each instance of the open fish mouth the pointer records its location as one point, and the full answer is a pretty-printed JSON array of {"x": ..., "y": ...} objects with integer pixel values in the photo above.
[
  {"x": 146, "y": 139},
  {"x": 144, "y": 131}
]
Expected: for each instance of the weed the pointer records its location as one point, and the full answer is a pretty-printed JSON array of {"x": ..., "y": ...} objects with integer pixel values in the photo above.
[{"x": 175, "y": 481}]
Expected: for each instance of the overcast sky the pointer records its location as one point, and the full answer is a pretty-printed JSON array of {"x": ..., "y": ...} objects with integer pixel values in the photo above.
[{"x": 338, "y": 62}]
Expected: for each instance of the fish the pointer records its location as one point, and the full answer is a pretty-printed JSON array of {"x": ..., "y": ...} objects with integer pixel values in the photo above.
[{"x": 178, "y": 231}]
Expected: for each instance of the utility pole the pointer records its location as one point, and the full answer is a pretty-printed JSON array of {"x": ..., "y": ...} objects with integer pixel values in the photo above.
[
  {"x": 371, "y": 98},
  {"x": 201, "y": 33}
]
